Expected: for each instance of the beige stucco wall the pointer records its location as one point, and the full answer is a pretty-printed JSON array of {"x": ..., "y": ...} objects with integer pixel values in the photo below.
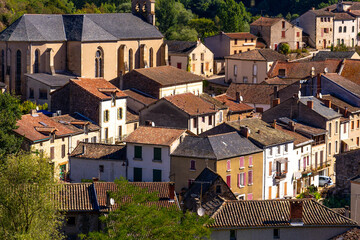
[
  {"x": 178, "y": 59},
  {"x": 245, "y": 69},
  {"x": 332, "y": 138},
  {"x": 195, "y": 88},
  {"x": 347, "y": 36},
  {"x": 207, "y": 61},
  {"x": 355, "y": 201},
  {"x": 242, "y": 45},
  {"x": 320, "y": 36},
  {"x": 290, "y": 35},
  {"x": 354, "y": 133}
]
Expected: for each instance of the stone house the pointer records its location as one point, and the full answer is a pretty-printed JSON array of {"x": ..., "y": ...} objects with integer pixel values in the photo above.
[
  {"x": 276, "y": 219},
  {"x": 194, "y": 57},
  {"x": 233, "y": 157},
  {"x": 89, "y": 45},
  {"x": 54, "y": 138},
  {"x": 185, "y": 111},
  {"x": 354, "y": 200},
  {"x": 315, "y": 113},
  {"x": 132, "y": 122},
  {"x": 148, "y": 152},
  {"x": 137, "y": 100},
  {"x": 97, "y": 161},
  {"x": 276, "y": 31},
  {"x": 163, "y": 81},
  {"x": 251, "y": 66},
  {"x": 98, "y": 100}
]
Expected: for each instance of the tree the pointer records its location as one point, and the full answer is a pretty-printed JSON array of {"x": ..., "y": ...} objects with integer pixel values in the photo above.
[
  {"x": 181, "y": 33},
  {"x": 205, "y": 27},
  {"x": 137, "y": 219},
  {"x": 233, "y": 17},
  {"x": 27, "y": 208},
  {"x": 10, "y": 112},
  {"x": 284, "y": 48}
]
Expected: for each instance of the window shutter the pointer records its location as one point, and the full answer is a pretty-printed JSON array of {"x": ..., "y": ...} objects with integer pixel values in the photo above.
[
  {"x": 250, "y": 178},
  {"x": 239, "y": 180},
  {"x": 228, "y": 163},
  {"x": 228, "y": 180},
  {"x": 250, "y": 161},
  {"x": 286, "y": 166},
  {"x": 285, "y": 188},
  {"x": 270, "y": 168},
  {"x": 250, "y": 196}
]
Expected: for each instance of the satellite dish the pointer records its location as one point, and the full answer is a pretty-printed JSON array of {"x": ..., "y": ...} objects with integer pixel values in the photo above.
[
  {"x": 326, "y": 70},
  {"x": 112, "y": 201},
  {"x": 201, "y": 212},
  {"x": 320, "y": 95}
]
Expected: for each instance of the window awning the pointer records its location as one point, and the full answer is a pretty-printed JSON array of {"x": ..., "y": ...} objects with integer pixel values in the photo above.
[
  {"x": 349, "y": 143},
  {"x": 281, "y": 160}
]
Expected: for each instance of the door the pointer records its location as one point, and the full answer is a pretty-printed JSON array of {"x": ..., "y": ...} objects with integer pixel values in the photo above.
[
  {"x": 137, "y": 174},
  {"x": 297, "y": 45},
  {"x": 156, "y": 175},
  {"x": 179, "y": 65},
  {"x": 202, "y": 68},
  {"x": 324, "y": 43}
]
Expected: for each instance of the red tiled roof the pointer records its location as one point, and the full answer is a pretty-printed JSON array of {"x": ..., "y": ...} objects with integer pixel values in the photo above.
[
  {"x": 31, "y": 128},
  {"x": 277, "y": 80},
  {"x": 259, "y": 55},
  {"x": 300, "y": 70},
  {"x": 154, "y": 135},
  {"x": 297, "y": 136},
  {"x": 264, "y": 21},
  {"x": 98, "y": 87},
  {"x": 232, "y": 104},
  {"x": 240, "y": 35},
  {"x": 131, "y": 116},
  {"x": 270, "y": 213},
  {"x": 351, "y": 70},
  {"x": 139, "y": 97},
  {"x": 191, "y": 104}
]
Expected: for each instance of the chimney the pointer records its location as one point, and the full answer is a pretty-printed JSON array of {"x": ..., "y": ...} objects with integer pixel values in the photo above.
[
  {"x": 276, "y": 94},
  {"x": 327, "y": 103},
  {"x": 274, "y": 124},
  {"x": 171, "y": 192},
  {"x": 292, "y": 126},
  {"x": 33, "y": 113},
  {"x": 237, "y": 97},
  {"x": 95, "y": 179},
  {"x": 276, "y": 102},
  {"x": 310, "y": 104},
  {"x": 312, "y": 8},
  {"x": 346, "y": 111},
  {"x": 296, "y": 212},
  {"x": 318, "y": 90},
  {"x": 245, "y": 132}
]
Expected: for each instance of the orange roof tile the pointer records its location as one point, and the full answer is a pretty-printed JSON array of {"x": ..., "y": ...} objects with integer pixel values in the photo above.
[
  {"x": 191, "y": 104},
  {"x": 264, "y": 21},
  {"x": 351, "y": 70},
  {"x": 232, "y": 104},
  {"x": 154, "y": 135},
  {"x": 241, "y": 35}
]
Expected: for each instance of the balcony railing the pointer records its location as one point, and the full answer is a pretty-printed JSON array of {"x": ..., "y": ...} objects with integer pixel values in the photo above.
[
  {"x": 107, "y": 140},
  {"x": 280, "y": 175},
  {"x": 314, "y": 168},
  {"x": 318, "y": 143}
]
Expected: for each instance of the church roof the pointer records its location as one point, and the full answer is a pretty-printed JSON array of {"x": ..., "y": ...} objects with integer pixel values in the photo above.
[{"x": 79, "y": 27}]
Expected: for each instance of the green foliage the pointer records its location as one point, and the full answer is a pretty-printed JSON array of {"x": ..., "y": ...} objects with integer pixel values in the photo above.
[
  {"x": 284, "y": 48},
  {"x": 339, "y": 48},
  {"x": 137, "y": 219},
  {"x": 182, "y": 33},
  {"x": 311, "y": 192},
  {"x": 233, "y": 17},
  {"x": 205, "y": 27},
  {"x": 29, "y": 105},
  {"x": 336, "y": 202},
  {"x": 27, "y": 210}
]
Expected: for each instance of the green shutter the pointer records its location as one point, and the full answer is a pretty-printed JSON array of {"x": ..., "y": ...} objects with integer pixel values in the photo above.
[
  {"x": 156, "y": 175},
  {"x": 138, "y": 152},
  {"x": 137, "y": 174},
  {"x": 157, "y": 154}
]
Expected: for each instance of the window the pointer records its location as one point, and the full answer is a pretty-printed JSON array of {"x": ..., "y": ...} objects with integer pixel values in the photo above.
[
  {"x": 254, "y": 79},
  {"x": 270, "y": 168},
  {"x": 106, "y": 134},
  {"x": 352, "y": 125},
  {"x": 250, "y": 161},
  {"x": 286, "y": 148},
  {"x": 71, "y": 221},
  {"x": 157, "y": 154},
  {"x": 178, "y": 65},
  {"x": 99, "y": 63},
  {"x": 297, "y": 34},
  {"x": 192, "y": 165},
  {"x": 241, "y": 180},
  {"x": 228, "y": 165},
  {"x": 195, "y": 122},
  {"x": 282, "y": 72},
  {"x": 345, "y": 128},
  {"x": 202, "y": 57},
  {"x": 321, "y": 19},
  {"x": 336, "y": 127},
  {"x": 329, "y": 129},
  {"x": 52, "y": 153},
  {"x": 254, "y": 69},
  {"x": 340, "y": 29},
  {"x": 220, "y": 116},
  {"x": 131, "y": 60},
  {"x": 270, "y": 151},
  {"x": 353, "y": 29},
  {"x": 52, "y": 139},
  {"x": 250, "y": 177},
  {"x": 203, "y": 119},
  {"x": 329, "y": 19},
  {"x": 344, "y": 29},
  {"x": 357, "y": 123},
  {"x": 283, "y": 24},
  {"x": 63, "y": 150},
  {"x": 18, "y": 73},
  {"x": 336, "y": 146},
  {"x": 326, "y": 30},
  {"x": 235, "y": 41},
  {"x": 235, "y": 70},
  {"x": 42, "y": 94},
  {"x": 235, "y": 52},
  {"x": 242, "y": 164},
  {"x": 93, "y": 139},
  {"x": 278, "y": 149},
  {"x": 120, "y": 132},
  {"x": 101, "y": 168},
  {"x": 135, "y": 126},
  {"x": 31, "y": 93},
  {"x": 270, "y": 190},
  {"x": 357, "y": 141},
  {"x": 106, "y": 115},
  {"x": 283, "y": 34},
  {"x": 245, "y": 79},
  {"x": 120, "y": 113},
  {"x": 156, "y": 175},
  {"x": 37, "y": 61},
  {"x": 329, "y": 150},
  {"x": 218, "y": 189},
  {"x": 338, "y": 41},
  {"x": 228, "y": 180},
  {"x": 137, "y": 174},
  {"x": 151, "y": 57},
  {"x": 193, "y": 57},
  {"x": 138, "y": 152},
  {"x": 210, "y": 120},
  {"x": 232, "y": 235},
  {"x": 276, "y": 233}
]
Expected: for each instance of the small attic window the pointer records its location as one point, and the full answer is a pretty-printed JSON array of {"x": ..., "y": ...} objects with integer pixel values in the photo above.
[
  {"x": 282, "y": 73},
  {"x": 113, "y": 99}
]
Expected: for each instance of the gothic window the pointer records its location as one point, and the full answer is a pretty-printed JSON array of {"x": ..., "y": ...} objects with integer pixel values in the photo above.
[
  {"x": 151, "y": 57},
  {"x": 99, "y": 63},
  {"x": 37, "y": 61},
  {"x": 131, "y": 61}
]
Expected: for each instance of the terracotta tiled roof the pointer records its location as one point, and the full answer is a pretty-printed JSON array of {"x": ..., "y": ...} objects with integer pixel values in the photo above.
[
  {"x": 280, "y": 81},
  {"x": 98, "y": 87},
  {"x": 76, "y": 197},
  {"x": 273, "y": 213},
  {"x": 31, "y": 127},
  {"x": 264, "y": 21},
  {"x": 351, "y": 71},
  {"x": 299, "y": 139},
  {"x": 233, "y": 105},
  {"x": 343, "y": 16},
  {"x": 75, "y": 123},
  {"x": 154, "y": 135},
  {"x": 303, "y": 128},
  {"x": 162, "y": 188},
  {"x": 99, "y": 151},
  {"x": 352, "y": 234},
  {"x": 191, "y": 104},
  {"x": 241, "y": 35},
  {"x": 168, "y": 75},
  {"x": 131, "y": 116},
  {"x": 301, "y": 70},
  {"x": 268, "y": 55},
  {"x": 142, "y": 98},
  {"x": 341, "y": 104},
  {"x": 213, "y": 100},
  {"x": 322, "y": 12},
  {"x": 253, "y": 93}
]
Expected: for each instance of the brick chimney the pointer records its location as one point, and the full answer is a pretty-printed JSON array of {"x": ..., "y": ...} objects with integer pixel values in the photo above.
[
  {"x": 274, "y": 124},
  {"x": 171, "y": 192},
  {"x": 276, "y": 102},
  {"x": 33, "y": 113},
  {"x": 292, "y": 126},
  {"x": 310, "y": 104},
  {"x": 244, "y": 131},
  {"x": 327, "y": 103},
  {"x": 296, "y": 212},
  {"x": 312, "y": 8}
]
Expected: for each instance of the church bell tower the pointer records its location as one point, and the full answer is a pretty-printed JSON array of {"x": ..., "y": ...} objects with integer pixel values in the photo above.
[{"x": 144, "y": 9}]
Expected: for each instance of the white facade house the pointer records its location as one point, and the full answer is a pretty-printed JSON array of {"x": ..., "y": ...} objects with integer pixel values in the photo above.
[
  {"x": 345, "y": 31},
  {"x": 100, "y": 161},
  {"x": 148, "y": 153}
]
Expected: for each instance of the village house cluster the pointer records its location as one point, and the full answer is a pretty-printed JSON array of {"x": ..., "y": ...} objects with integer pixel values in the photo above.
[{"x": 228, "y": 125}]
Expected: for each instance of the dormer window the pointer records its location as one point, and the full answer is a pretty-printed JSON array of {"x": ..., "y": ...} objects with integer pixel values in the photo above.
[
  {"x": 113, "y": 99},
  {"x": 281, "y": 72}
]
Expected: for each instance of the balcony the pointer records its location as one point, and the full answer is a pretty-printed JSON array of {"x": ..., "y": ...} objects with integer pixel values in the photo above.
[
  {"x": 280, "y": 175},
  {"x": 107, "y": 140}
]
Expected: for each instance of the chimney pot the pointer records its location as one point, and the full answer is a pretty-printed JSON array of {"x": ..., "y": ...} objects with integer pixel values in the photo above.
[
  {"x": 310, "y": 104},
  {"x": 274, "y": 124},
  {"x": 33, "y": 112},
  {"x": 327, "y": 103},
  {"x": 245, "y": 132},
  {"x": 276, "y": 102}
]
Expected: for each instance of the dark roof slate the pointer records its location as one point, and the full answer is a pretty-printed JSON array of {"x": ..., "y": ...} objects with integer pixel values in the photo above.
[
  {"x": 323, "y": 55},
  {"x": 180, "y": 47},
  {"x": 99, "y": 151},
  {"x": 320, "y": 107},
  {"x": 57, "y": 80}
]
